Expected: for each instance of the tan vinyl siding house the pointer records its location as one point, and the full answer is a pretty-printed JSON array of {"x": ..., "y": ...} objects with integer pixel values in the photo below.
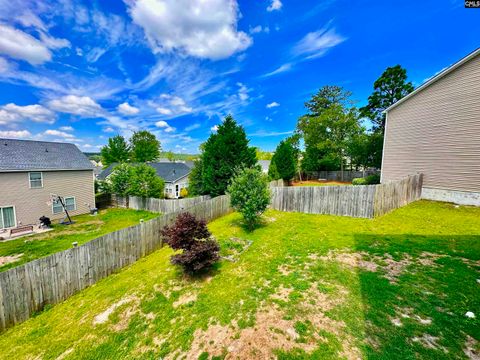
[
  {"x": 436, "y": 131},
  {"x": 31, "y": 171}
]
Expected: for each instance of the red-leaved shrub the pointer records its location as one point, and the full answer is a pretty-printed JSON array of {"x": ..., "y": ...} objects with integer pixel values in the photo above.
[{"x": 191, "y": 235}]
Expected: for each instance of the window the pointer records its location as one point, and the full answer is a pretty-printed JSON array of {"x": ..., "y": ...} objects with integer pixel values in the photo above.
[
  {"x": 36, "y": 180},
  {"x": 69, "y": 202},
  {"x": 7, "y": 217}
]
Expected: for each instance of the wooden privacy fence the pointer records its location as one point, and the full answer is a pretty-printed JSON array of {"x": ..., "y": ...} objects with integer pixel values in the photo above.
[
  {"x": 356, "y": 201},
  {"x": 164, "y": 206},
  {"x": 26, "y": 289},
  {"x": 393, "y": 195},
  {"x": 365, "y": 201}
]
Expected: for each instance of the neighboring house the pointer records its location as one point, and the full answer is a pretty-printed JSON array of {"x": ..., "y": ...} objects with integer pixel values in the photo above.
[
  {"x": 265, "y": 164},
  {"x": 31, "y": 171},
  {"x": 435, "y": 130},
  {"x": 174, "y": 174}
]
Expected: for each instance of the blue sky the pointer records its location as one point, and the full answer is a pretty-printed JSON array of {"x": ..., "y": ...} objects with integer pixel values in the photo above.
[{"x": 84, "y": 71}]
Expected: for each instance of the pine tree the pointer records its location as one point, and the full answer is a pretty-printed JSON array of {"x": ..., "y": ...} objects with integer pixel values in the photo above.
[
  {"x": 224, "y": 153},
  {"x": 285, "y": 162}
]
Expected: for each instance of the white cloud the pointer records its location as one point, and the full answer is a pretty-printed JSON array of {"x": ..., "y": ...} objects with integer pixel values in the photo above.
[
  {"x": 161, "y": 124},
  {"x": 22, "y": 46},
  {"x": 4, "y": 65},
  {"x": 12, "y": 113},
  {"x": 284, "y": 68},
  {"x": 20, "y": 134},
  {"x": 192, "y": 127},
  {"x": 164, "y": 125},
  {"x": 77, "y": 105},
  {"x": 200, "y": 28},
  {"x": 270, "y": 133},
  {"x": 313, "y": 45},
  {"x": 274, "y": 5},
  {"x": 317, "y": 43},
  {"x": 109, "y": 129},
  {"x": 59, "y": 133},
  {"x": 272, "y": 105},
  {"x": 66, "y": 128},
  {"x": 258, "y": 29},
  {"x": 242, "y": 92},
  {"x": 171, "y": 105},
  {"x": 214, "y": 128},
  {"x": 127, "y": 109},
  {"x": 164, "y": 111}
]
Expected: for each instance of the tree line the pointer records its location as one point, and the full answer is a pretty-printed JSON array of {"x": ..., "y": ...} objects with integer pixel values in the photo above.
[{"x": 333, "y": 129}]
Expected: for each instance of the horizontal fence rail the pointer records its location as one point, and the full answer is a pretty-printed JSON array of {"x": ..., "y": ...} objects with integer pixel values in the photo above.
[
  {"x": 28, "y": 288},
  {"x": 364, "y": 201}
]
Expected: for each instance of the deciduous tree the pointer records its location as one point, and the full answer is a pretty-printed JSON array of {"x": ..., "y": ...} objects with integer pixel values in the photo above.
[
  {"x": 144, "y": 146},
  {"x": 116, "y": 151}
]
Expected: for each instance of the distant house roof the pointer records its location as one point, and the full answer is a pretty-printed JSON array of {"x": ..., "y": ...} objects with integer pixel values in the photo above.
[
  {"x": 168, "y": 171},
  {"x": 27, "y": 155},
  {"x": 265, "y": 164}
]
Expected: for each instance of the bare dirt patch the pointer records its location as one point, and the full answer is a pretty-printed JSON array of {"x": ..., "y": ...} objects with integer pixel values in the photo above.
[
  {"x": 472, "y": 349},
  {"x": 273, "y": 330},
  {"x": 4, "y": 260},
  {"x": 282, "y": 294},
  {"x": 351, "y": 259},
  {"x": 430, "y": 342},
  {"x": 103, "y": 316},
  {"x": 285, "y": 269},
  {"x": 185, "y": 299}
]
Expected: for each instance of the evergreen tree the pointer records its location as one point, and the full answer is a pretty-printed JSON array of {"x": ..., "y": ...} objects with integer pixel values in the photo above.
[
  {"x": 224, "y": 152},
  {"x": 390, "y": 87},
  {"x": 195, "y": 179},
  {"x": 285, "y": 161},
  {"x": 116, "y": 151}
]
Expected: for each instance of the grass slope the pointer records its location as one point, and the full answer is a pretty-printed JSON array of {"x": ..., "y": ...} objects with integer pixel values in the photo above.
[
  {"x": 86, "y": 228},
  {"x": 293, "y": 294}
]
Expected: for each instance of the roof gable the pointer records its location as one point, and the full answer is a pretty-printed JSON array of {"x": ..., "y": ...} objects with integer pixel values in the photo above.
[{"x": 27, "y": 155}]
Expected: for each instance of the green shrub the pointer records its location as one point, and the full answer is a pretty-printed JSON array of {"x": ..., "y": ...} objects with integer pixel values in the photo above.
[
  {"x": 359, "y": 181},
  {"x": 250, "y": 195},
  {"x": 368, "y": 180}
]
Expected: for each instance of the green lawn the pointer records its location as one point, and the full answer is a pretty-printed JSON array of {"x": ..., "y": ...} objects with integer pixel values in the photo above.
[
  {"x": 309, "y": 287},
  {"x": 86, "y": 228}
]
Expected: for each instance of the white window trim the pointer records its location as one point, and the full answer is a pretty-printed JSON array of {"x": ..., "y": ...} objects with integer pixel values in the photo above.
[
  {"x": 30, "y": 181},
  {"x": 14, "y": 216},
  {"x": 65, "y": 200}
]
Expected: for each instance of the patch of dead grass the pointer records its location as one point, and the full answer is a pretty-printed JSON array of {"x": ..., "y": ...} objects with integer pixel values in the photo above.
[
  {"x": 4, "y": 260},
  {"x": 472, "y": 348},
  {"x": 273, "y": 330}
]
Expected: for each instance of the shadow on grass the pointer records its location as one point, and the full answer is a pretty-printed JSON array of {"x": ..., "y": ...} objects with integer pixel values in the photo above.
[{"x": 421, "y": 313}]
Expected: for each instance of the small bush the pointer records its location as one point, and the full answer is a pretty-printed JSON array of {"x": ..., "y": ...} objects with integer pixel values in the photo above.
[
  {"x": 191, "y": 235},
  {"x": 373, "y": 179},
  {"x": 359, "y": 181},
  {"x": 250, "y": 195},
  {"x": 368, "y": 180},
  {"x": 183, "y": 193}
]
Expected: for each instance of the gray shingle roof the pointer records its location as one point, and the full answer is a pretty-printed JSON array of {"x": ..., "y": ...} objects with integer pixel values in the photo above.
[
  {"x": 168, "y": 171},
  {"x": 27, "y": 155}
]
